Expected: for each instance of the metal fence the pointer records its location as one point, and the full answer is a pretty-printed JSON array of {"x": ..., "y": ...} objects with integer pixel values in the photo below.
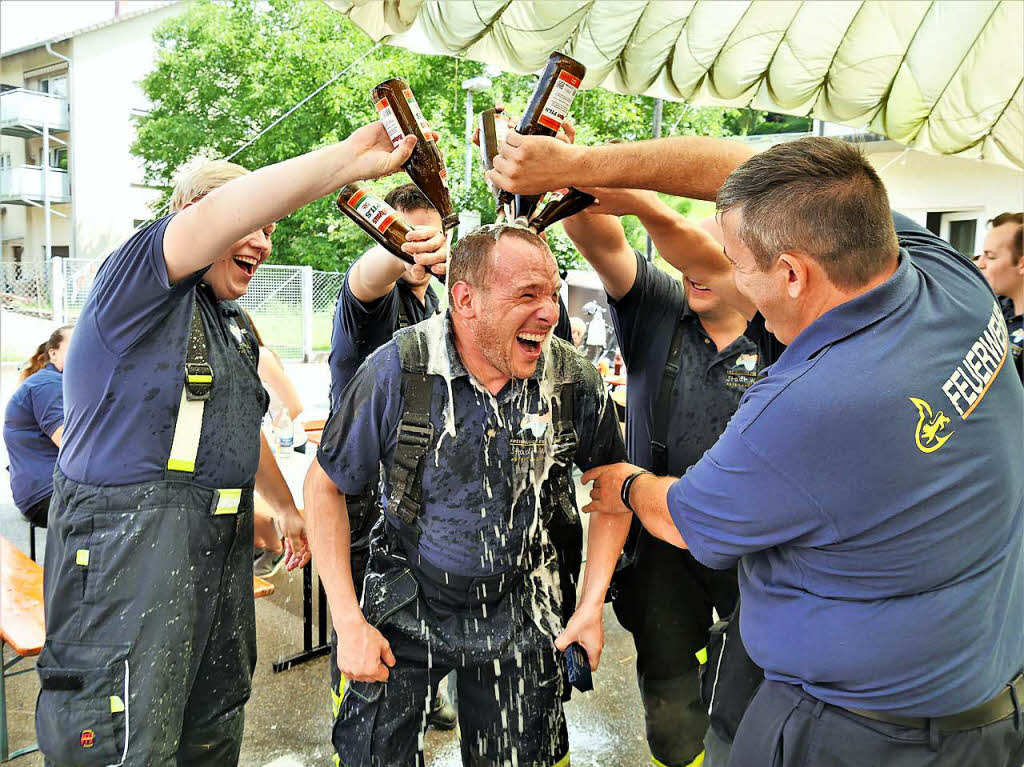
[{"x": 291, "y": 306}]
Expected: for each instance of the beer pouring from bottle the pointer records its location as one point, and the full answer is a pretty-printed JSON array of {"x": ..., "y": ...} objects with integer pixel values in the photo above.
[
  {"x": 401, "y": 116},
  {"x": 558, "y": 205},
  {"x": 548, "y": 107},
  {"x": 378, "y": 219}
]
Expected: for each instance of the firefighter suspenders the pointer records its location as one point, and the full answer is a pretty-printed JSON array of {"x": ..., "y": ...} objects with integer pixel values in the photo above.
[{"x": 188, "y": 428}]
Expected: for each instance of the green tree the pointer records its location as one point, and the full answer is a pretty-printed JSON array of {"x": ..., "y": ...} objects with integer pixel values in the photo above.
[{"x": 225, "y": 69}]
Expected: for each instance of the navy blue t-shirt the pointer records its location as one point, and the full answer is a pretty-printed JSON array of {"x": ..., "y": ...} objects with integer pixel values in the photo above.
[
  {"x": 708, "y": 386},
  {"x": 870, "y": 487},
  {"x": 34, "y": 412},
  {"x": 479, "y": 499},
  {"x": 361, "y": 328},
  {"x": 126, "y": 368}
]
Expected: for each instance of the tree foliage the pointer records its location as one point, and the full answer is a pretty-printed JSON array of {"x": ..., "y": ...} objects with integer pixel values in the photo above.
[{"x": 225, "y": 69}]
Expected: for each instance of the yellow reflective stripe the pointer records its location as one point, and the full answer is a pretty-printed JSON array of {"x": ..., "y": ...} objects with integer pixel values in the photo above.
[
  {"x": 697, "y": 762},
  {"x": 82, "y": 557},
  {"x": 200, "y": 379},
  {"x": 228, "y": 501},
  {"x": 702, "y": 655},
  {"x": 337, "y": 696},
  {"x": 116, "y": 704},
  {"x": 187, "y": 428},
  {"x": 563, "y": 762}
]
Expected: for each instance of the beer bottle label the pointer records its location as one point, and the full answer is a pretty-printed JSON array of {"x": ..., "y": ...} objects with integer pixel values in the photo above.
[
  {"x": 378, "y": 213},
  {"x": 390, "y": 122},
  {"x": 500, "y": 129},
  {"x": 559, "y": 100},
  {"x": 417, "y": 113}
]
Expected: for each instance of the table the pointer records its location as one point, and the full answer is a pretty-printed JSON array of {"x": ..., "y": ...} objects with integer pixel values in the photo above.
[{"x": 309, "y": 651}]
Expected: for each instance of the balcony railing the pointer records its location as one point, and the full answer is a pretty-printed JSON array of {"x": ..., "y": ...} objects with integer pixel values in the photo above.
[
  {"x": 22, "y": 110},
  {"x": 24, "y": 184}
]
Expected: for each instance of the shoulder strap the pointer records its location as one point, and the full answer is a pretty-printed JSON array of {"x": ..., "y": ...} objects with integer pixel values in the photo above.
[
  {"x": 196, "y": 390},
  {"x": 403, "y": 314},
  {"x": 659, "y": 421},
  {"x": 415, "y": 436}
]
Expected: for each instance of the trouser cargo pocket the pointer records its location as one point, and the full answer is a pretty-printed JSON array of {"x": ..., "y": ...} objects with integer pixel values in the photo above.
[{"x": 82, "y": 713}]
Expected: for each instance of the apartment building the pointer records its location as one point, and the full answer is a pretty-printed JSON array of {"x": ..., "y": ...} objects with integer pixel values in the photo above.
[{"x": 69, "y": 185}]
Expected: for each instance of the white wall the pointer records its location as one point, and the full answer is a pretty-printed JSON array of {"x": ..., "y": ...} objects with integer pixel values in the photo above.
[
  {"x": 920, "y": 183},
  {"x": 108, "y": 64}
]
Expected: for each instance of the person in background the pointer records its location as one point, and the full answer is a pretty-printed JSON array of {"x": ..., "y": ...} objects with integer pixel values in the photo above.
[
  {"x": 379, "y": 295},
  {"x": 149, "y": 545},
  {"x": 579, "y": 331},
  {"x": 691, "y": 356},
  {"x": 34, "y": 426},
  {"x": 1002, "y": 264},
  {"x": 268, "y": 557}
]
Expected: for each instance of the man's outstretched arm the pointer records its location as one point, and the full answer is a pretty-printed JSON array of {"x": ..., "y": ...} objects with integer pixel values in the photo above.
[{"x": 687, "y": 166}]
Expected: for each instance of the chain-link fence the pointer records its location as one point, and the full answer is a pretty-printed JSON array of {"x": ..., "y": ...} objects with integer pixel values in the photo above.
[
  {"x": 25, "y": 287},
  {"x": 291, "y": 306}
]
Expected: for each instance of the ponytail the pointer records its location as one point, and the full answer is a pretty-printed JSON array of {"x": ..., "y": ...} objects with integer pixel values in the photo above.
[{"x": 41, "y": 357}]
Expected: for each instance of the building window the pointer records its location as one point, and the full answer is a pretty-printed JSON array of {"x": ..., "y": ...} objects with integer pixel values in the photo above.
[
  {"x": 961, "y": 230},
  {"x": 16, "y": 251},
  {"x": 58, "y": 251},
  {"x": 5, "y": 160},
  {"x": 59, "y": 157},
  {"x": 56, "y": 85}
]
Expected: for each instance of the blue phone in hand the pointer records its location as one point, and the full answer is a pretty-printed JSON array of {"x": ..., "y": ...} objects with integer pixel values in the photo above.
[{"x": 578, "y": 664}]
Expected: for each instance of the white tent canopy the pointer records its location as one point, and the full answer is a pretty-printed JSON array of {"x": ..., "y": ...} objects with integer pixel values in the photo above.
[{"x": 943, "y": 77}]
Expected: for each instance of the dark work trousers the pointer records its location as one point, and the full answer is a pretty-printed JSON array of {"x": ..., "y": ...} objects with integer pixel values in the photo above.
[
  {"x": 787, "y": 727},
  {"x": 150, "y": 627},
  {"x": 665, "y": 600},
  {"x": 509, "y": 678}
]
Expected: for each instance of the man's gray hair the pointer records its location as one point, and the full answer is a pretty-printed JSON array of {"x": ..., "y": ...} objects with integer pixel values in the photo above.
[{"x": 817, "y": 196}]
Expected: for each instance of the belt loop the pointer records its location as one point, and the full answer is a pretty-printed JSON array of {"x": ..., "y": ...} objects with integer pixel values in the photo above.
[
  {"x": 818, "y": 708},
  {"x": 1016, "y": 706},
  {"x": 933, "y": 734}
]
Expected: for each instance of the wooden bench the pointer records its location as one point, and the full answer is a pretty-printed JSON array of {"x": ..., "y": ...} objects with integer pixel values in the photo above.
[
  {"x": 315, "y": 430},
  {"x": 22, "y": 627}
]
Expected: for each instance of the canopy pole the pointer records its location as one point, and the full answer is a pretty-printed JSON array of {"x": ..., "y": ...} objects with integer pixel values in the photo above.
[{"x": 656, "y": 133}]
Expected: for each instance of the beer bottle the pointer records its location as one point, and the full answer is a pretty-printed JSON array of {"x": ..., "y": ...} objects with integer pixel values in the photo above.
[
  {"x": 376, "y": 218},
  {"x": 401, "y": 115},
  {"x": 493, "y": 129},
  {"x": 548, "y": 108},
  {"x": 559, "y": 205}
]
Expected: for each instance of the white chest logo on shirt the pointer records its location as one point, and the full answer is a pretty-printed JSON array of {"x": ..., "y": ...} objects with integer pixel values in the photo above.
[
  {"x": 747, "y": 361},
  {"x": 237, "y": 332}
]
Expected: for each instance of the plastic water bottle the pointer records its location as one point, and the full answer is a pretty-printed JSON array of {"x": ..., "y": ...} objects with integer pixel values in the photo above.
[{"x": 285, "y": 434}]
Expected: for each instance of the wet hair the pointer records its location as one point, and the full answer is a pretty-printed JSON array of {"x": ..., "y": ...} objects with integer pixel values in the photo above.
[
  {"x": 200, "y": 176},
  {"x": 41, "y": 358},
  {"x": 470, "y": 261},
  {"x": 1017, "y": 244},
  {"x": 407, "y": 197},
  {"x": 817, "y": 196}
]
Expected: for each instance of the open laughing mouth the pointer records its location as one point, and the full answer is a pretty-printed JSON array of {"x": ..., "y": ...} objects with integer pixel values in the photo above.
[
  {"x": 697, "y": 286},
  {"x": 530, "y": 343},
  {"x": 247, "y": 264}
]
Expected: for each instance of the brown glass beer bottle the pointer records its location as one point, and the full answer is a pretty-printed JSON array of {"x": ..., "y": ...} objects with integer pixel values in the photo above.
[
  {"x": 401, "y": 115},
  {"x": 549, "y": 105},
  {"x": 376, "y": 218},
  {"x": 559, "y": 205},
  {"x": 493, "y": 129}
]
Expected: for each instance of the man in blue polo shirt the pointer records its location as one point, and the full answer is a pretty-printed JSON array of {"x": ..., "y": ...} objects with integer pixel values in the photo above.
[
  {"x": 1002, "y": 263},
  {"x": 882, "y": 570},
  {"x": 475, "y": 419}
]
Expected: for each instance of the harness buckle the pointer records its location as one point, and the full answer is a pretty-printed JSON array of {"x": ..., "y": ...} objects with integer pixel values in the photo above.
[
  {"x": 414, "y": 434},
  {"x": 198, "y": 381}
]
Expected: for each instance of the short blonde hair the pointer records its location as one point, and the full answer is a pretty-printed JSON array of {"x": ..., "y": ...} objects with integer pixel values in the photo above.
[{"x": 200, "y": 176}]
